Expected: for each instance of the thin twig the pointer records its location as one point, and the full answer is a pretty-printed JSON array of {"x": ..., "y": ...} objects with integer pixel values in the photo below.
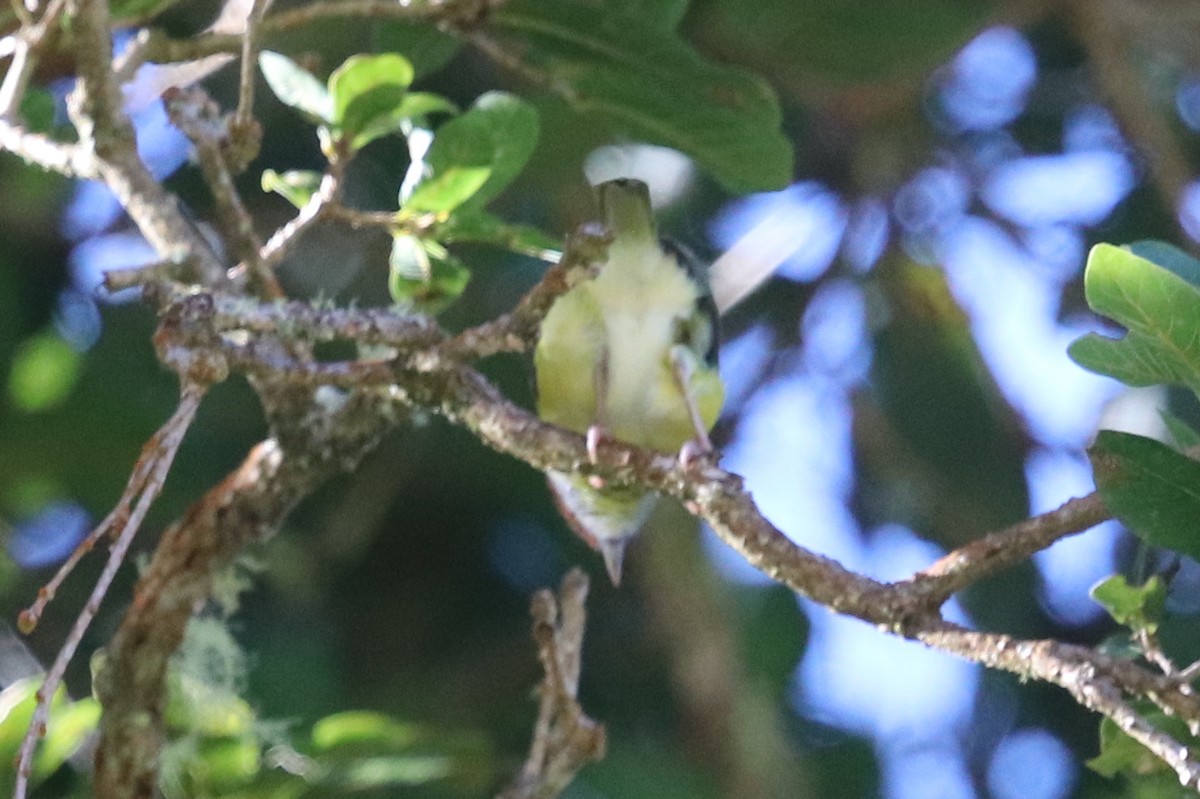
[
  {"x": 147, "y": 482},
  {"x": 66, "y": 158},
  {"x": 194, "y": 113},
  {"x": 1005, "y": 548},
  {"x": 96, "y": 107},
  {"x": 243, "y": 116},
  {"x": 164, "y": 50},
  {"x": 29, "y": 42},
  {"x": 565, "y": 739},
  {"x": 1095, "y": 680}
]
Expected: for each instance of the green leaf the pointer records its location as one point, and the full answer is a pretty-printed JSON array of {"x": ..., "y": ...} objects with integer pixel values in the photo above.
[
  {"x": 356, "y": 727},
  {"x": 70, "y": 725},
  {"x": 296, "y": 87},
  {"x": 825, "y": 46},
  {"x": 423, "y": 276},
  {"x": 446, "y": 189},
  {"x": 366, "y": 89},
  {"x": 44, "y": 371},
  {"x": 480, "y": 227},
  {"x": 474, "y": 156},
  {"x": 296, "y": 186},
  {"x": 363, "y": 750},
  {"x": 1151, "y": 488},
  {"x": 611, "y": 61},
  {"x": 1139, "y": 607},
  {"x": 414, "y": 108},
  {"x": 1161, "y": 312},
  {"x": 513, "y": 125}
]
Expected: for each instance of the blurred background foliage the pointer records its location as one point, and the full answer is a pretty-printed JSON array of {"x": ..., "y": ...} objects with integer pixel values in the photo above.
[{"x": 897, "y": 388}]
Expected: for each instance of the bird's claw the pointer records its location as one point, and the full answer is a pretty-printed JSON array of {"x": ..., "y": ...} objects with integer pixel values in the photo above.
[
  {"x": 695, "y": 451},
  {"x": 596, "y": 434}
]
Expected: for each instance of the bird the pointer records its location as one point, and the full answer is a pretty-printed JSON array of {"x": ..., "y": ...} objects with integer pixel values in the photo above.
[{"x": 629, "y": 354}]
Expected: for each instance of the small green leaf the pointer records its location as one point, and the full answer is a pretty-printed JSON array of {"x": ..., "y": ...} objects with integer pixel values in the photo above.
[
  {"x": 296, "y": 186},
  {"x": 367, "y": 88},
  {"x": 1120, "y": 754},
  {"x": 375, "y": 773},
  {"x": 296, "y": 87},
  {"x": 1161, "y": 312},
  {"x": 612, "y": 61},
  {"x": 480, "y": 227},
  {"x": 356, "y": 727},
  {"x": 1151, "y": 488},
  {"x": 1139, "y": 607},
  {"x": 44, "y": 371},
  {"x": 415, "y": 107},
  {"x": 423, "y": 276},
  {"x": 446, "y": 189}
]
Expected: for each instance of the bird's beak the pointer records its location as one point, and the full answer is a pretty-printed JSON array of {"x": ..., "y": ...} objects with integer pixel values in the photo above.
[{"x": 613, "y": 552}]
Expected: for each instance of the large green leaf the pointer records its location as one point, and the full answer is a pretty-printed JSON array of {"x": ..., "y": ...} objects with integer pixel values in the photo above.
[
  {"x": 623, "y": 62},
  {"x": 827, "y": 44},
  {"x": 513, "y": 124},
  {"x": 1151, "y": 488},
  {"x": 425, "y": 46},
  {"x": 1160, "y": 310},
  {"x": 475, "y": 155}
]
